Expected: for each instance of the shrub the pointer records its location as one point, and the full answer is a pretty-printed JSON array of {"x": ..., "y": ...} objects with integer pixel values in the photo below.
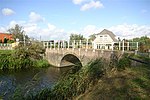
[
  {"x": 123, "y": 62},
  {"x": 95, "y": 69},
  {"x": 42, "y": 63}
]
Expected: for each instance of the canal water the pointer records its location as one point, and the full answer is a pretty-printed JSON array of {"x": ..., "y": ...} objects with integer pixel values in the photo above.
[{"x": 28, "y": 81}]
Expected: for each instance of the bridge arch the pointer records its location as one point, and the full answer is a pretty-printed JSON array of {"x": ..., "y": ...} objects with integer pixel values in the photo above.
[{"x": 69, "y": 60}]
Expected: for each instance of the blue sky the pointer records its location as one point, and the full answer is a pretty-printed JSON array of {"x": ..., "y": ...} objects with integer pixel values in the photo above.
[{"x": 57, "y": 19}]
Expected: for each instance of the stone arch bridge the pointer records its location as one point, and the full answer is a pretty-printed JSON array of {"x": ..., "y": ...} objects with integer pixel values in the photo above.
[{"x": 61, "y": 57}]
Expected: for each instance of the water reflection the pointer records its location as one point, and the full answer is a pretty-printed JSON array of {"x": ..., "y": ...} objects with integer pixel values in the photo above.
[{"x": 30, "y": 81}]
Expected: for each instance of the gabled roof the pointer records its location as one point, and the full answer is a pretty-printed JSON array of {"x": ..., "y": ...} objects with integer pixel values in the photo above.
[{"x": 111, "y": 34}]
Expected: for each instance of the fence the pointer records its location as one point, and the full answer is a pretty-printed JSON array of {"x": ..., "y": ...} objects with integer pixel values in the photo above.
[{"x": 5, "y": 46}]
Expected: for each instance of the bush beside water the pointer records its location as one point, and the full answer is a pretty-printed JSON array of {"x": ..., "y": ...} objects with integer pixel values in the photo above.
[{"x": 22, "y": 58}]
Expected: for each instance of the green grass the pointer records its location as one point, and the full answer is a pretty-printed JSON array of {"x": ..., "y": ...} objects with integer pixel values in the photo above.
[{"x": 6, "y": 51}]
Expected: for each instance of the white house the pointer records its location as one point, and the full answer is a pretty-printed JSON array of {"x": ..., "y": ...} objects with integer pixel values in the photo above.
[{"x": 104, "y": 40}]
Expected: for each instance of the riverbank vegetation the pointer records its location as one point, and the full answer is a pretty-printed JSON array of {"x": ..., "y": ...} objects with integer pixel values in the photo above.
[
  {"x": 23, "y": 57},
  {"x": 101, "y": 80}
]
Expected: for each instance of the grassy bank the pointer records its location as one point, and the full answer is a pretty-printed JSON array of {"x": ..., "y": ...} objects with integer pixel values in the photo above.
[{"x": 132, "y": 83}]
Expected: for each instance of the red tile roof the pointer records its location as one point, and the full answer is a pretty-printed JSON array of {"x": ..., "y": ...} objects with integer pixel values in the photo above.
[{"x": 5, "y": 35}]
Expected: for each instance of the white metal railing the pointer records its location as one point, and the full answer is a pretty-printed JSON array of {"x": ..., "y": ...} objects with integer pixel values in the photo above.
[{"x": 86, "y": 44}]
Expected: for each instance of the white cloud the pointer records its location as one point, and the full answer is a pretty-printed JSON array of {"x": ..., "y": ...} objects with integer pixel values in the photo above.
[
  {"x": 123, "y": 31},
  {"x": 52, "y": 32},
  {"x": 35, "y": 18},
  {"x": 89, "y": 30},
  {"x": 78, "y": 1},
  {"x": 51, "y": 27},
  {"x": 130, "y": 31},
  {"x": 7, "y": 12},
  {"x": 92, "y": 4},
  {"x": 88, "y": 4}
]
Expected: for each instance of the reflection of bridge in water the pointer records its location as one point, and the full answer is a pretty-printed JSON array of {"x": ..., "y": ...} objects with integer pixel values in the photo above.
[{"x": 63, "y": 53}]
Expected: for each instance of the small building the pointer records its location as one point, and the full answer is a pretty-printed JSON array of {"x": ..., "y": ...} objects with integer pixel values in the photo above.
[
  {"x": 4, "y": 36},
  {"x": 104, "y": 40}
]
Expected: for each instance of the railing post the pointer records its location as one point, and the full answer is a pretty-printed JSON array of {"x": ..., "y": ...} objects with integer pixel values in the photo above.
[
  {"x": 68, "y": 44},
  {"x": 74, "y": 44},
  {"x": 128, "y": 46},
  {"x": 47, "y": 44},
  {"x": 58, "y": 45},
  {"x": 123, "y": 46},
  {"x": 80, "y": 44},
  {"x": 50, "y": 45},
  {"x": 86, "y": 44},
  {"x": 63, "y": 44},
  {"x": 54, "y": 44},
  {"x": 119, "y": 45}
]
